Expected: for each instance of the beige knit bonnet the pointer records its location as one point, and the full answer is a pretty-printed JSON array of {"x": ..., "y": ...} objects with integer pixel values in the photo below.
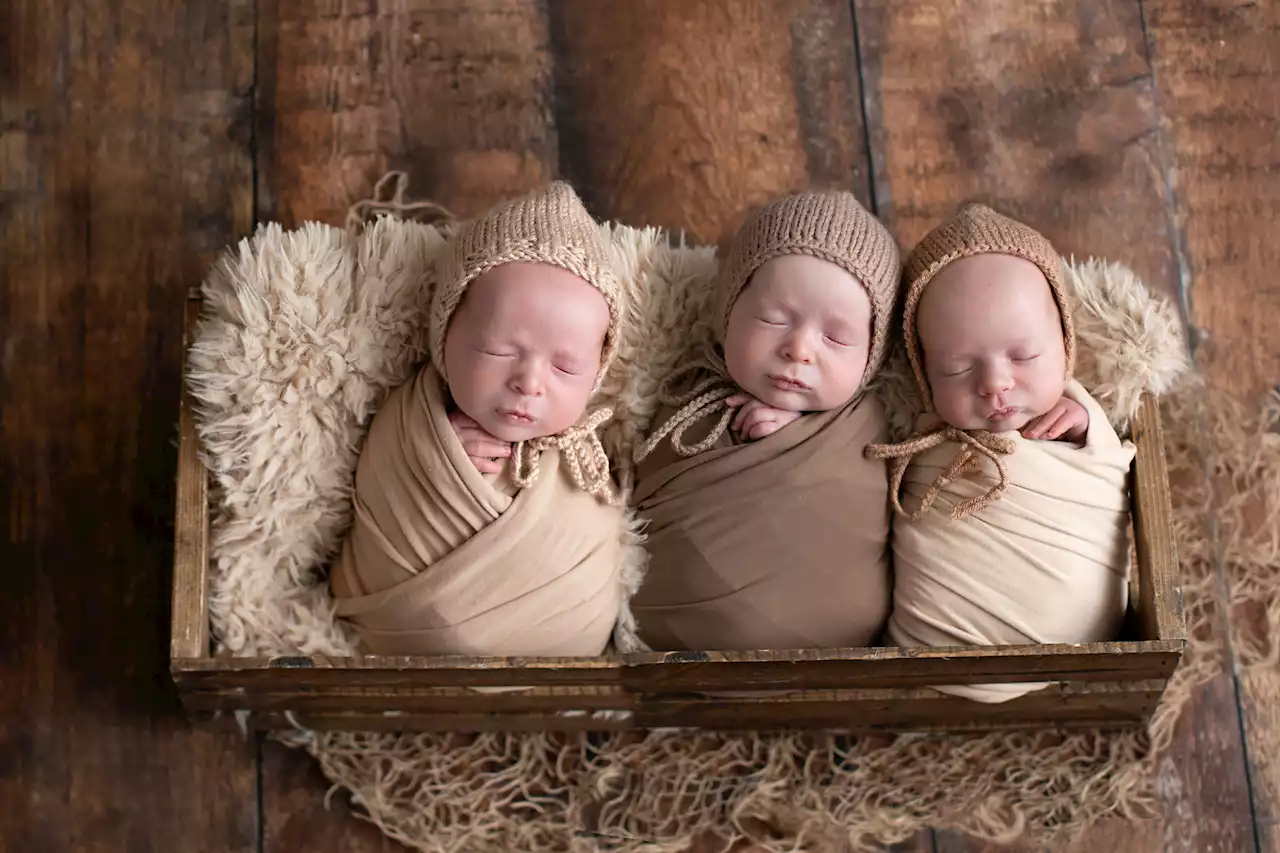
[
  {"x": 548, "y": 226},
  {"x": 977, "y": 230},
  {"x": 974, "y": 230},
  {"x": 830, "y": 225}
]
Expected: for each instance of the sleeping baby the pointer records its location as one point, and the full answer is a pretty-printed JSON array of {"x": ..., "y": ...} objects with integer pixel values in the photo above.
[
  {"x": 486, "y": 522},
  {"x": 1014, "y": 488},
  {"x": 767, "y": 528}
]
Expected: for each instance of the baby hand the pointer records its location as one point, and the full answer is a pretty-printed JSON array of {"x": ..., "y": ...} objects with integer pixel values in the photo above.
[
  {"x": 485, "y": 451},
  {"x": 1066, "y": 421},
  {"x": 755, "y": 420}
]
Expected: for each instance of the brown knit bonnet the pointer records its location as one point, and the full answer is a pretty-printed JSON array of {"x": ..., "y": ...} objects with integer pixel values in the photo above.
[
  {"x": 832, "y": 226},
  {"x": 548, "y": 226},
  {"x": 977, "y": 230},
  {"x": 829, "y": 225}
]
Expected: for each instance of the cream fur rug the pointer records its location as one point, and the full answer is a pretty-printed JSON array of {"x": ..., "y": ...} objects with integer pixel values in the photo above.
[{"x": 303, "y": 334}]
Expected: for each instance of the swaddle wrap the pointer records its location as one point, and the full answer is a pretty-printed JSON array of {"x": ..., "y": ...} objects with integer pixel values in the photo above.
[
  {"x": 782, "y": 542},
  {"x": 1002, "y": 540},
  {"x": 1046, "y": 563},
  {"x": 442, "y": 560},
  {"x": 775, "y": 544}
]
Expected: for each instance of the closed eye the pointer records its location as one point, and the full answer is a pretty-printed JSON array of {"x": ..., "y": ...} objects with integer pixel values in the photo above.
[
  {"x": 1021, "y": 358},
  {"x": 838, "y": 342},
  {"x": 770, "y": 321},
  {"x": 566, "y": 371},
  {"x": 954, "y": 373},
  {"x": 497, "y": 353}
]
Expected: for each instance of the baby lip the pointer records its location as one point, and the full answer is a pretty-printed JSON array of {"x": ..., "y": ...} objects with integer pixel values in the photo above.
[
  {"x": 515, "y": 413},
  {"x": 777, "y": 377}
]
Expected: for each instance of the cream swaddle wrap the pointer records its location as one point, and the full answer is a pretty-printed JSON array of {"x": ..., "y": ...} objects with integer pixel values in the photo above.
[
  {"x": 441, "y": 558},
  {"x": 1000, "y": 539},
  {"x": 782, "y": 542},
  {"x": 1046, "y": 563}
]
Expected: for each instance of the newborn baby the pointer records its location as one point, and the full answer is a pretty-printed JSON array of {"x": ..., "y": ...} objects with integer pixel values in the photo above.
[
  {"x": 767, "y": 528},
  {"x": 486, "y": 522},
  {"x": 1015, "y": 485}
]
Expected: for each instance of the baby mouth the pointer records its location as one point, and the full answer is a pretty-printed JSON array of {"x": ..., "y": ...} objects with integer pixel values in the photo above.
[
  {"x": 787, "y": 384},
  {"x": 1003, "y": 414},
  {"x": 514, "y": 416}
]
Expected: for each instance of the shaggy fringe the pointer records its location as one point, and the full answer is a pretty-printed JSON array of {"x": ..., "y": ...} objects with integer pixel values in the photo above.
[{"x": 305, "y": 332}]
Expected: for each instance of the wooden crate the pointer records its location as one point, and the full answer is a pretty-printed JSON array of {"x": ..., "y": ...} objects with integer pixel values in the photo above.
[{"x": 855, "y": 690}]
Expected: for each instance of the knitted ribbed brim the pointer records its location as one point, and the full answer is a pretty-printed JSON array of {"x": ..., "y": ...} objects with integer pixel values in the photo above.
[
  {"x": 547, "y": 226},
  {"x": 977, "y": 230},
  {"x": 829, "y": 225}
]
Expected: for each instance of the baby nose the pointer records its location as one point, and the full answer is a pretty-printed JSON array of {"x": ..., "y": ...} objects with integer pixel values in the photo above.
[
  {"x": 529, "y": 380},
  {"x": 797, "y": 349},
  {"x": 995, "y": 381}
]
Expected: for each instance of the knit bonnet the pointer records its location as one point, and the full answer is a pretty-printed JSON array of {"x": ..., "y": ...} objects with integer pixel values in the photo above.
[
  {"x": 548, "y": 226},
  {"x": 977, "y": 230},
  {"x": 830, "y": 225}
]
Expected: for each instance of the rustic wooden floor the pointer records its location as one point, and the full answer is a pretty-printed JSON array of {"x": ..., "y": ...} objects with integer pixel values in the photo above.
[{"x": 139, "y": 137}]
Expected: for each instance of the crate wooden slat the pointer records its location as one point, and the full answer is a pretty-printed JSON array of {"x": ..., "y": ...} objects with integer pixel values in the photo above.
[{"x": 856, "y": 690}]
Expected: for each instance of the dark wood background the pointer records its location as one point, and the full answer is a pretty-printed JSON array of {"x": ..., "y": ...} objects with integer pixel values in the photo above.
[{"x": 140, "y": 137}]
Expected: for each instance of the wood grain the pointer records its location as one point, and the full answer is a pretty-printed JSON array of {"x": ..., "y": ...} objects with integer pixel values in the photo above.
[
  {"x": 124, "y": 166},
  {"x": 1216, "y": 64},
  {"x": 457, "y": 93},
  {"x": 686, "y": 115},
  {"x": 189, "y": 635},
  {"x": 1044, "y": 110},
  {"x": 1159, "y": 604},
  {"x": 1049, "y": 111}
]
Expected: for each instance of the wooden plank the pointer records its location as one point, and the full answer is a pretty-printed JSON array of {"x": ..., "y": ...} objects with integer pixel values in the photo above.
[
  {"x": 681, "y": 671},
  {"x": 124, "y": 167},
  {"x": 454, "y": 92},
  {"x": 1049, "y": 111},
  {"x": 685, "y": 115},
  {"x": 189, "y": 633},
  {"x": 1116, "y": 704},
  {"x": 1159, "y": 604},
  {"x": 1216, "y": 64}
]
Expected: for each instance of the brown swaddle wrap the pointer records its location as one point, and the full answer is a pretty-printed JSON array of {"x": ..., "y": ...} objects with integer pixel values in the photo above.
[
  {"x": 1046, "y": 563},
  {"x": 773, "y": 544},
  {"x": 783, "y": 542},
  {"x": 1001, "y": 540},
  {"x": 441, "y": 560}
]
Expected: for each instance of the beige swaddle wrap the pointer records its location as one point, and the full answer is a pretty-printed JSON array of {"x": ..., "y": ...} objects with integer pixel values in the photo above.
[
  {"x": 1046, "y": 563},
  {"x": 1002, "y": 540},
  {"x": 441, "y": 560}
]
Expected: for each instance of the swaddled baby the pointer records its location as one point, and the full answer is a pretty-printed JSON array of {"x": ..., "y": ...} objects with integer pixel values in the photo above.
[
  {"x": 486, "y": 522},
  {"x": 767, "y": 528},
  {"x": 1014, "y": 489}
]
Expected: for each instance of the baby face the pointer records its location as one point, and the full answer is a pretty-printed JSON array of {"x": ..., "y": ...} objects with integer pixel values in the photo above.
[
  {"x": 799, "y": 335},
  {"x": 991, "y": 334},
  {"x": 523, "y": 350}
]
